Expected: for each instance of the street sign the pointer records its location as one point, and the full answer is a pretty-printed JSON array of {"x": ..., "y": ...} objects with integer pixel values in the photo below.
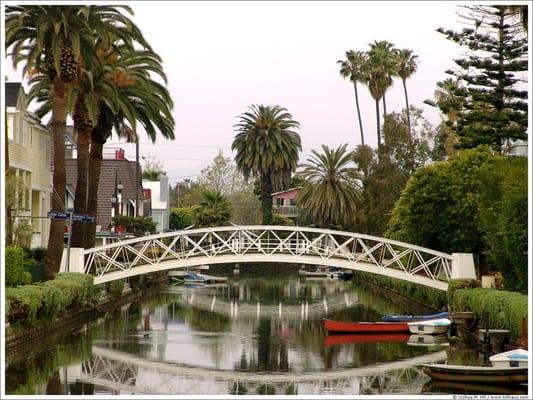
[
  {"x": 83, "y": 218},
  {"x": 58, "y": 215}
]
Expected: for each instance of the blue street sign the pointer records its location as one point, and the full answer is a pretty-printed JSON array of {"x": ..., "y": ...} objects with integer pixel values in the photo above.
[
  {"x": 88, "y": 219},
  {"x": 83, "y": 218},
  {"x": 58, "y": 215}
]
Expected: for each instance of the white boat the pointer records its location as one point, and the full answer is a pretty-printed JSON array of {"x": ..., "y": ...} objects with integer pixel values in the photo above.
[
  {"x": 194, "y": 277},
  {"x": 320, "y": 272},
  {"x": 513, "y": 358},
  {"x": 428, "y": 340},
  {"x": 430, "y": 327}
]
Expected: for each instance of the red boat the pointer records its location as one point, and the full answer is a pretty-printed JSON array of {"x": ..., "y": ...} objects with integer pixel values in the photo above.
[
  {"x": 333, "y": 340},
  {"x": 364, "y": 327}
]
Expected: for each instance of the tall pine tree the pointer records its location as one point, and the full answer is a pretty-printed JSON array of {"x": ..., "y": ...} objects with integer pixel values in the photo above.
[{"x": 493, "y": 94}]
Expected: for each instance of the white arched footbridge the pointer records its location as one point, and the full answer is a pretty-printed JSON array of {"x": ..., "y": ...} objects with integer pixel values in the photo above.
[{"x": 272, "y": 244}]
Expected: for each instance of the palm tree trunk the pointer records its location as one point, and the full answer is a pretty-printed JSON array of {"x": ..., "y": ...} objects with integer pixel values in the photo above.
[
  {"x": 384, "y": 108},
  {"x": 95, "y": 161},
  {"x": 80, "y": 200},
  {"x": 266, "y": 199},
  {"x": 358, "y": 112},
  {"x": 59, "y": 123},
  {"x": 378, "y": 128},
  {"x": 407, "y": 108}
]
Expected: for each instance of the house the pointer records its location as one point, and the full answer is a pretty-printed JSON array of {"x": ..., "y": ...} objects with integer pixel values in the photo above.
[
  {"x": 28, "y": 142},
  {"x": 116, "y": 190},
  {"x": 284, "y": 202},
  {"x": 159, "y": 192},
  {"x": 518, "y": 148}
]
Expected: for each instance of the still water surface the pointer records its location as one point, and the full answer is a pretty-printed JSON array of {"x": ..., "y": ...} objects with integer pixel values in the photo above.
[{"x": 250, "y": 336}]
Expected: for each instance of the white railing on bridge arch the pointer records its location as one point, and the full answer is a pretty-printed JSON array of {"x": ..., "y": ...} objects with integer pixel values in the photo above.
[{"x": 279, "y": 244}]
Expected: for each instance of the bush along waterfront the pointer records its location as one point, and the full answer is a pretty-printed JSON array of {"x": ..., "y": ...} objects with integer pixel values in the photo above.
[
  {"x": 428, "y": 296},
  {"x": 42, "y": 305},
  {"x": 505, "y": 309},
  {"x": 35, "y": 305}
]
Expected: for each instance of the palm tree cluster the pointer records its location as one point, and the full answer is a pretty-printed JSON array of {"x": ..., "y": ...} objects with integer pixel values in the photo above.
[
  {"x": 93, "y": 63},
  {"x": 376, "y": 69}
]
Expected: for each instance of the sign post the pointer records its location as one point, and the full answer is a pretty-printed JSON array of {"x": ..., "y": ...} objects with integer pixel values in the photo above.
[
  {"x": 68, "y": 241},
  {"x": 70, "y": 216}
]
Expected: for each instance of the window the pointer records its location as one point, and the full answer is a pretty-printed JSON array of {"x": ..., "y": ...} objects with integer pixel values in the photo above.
[
  {"x": 27, "y": 190},
  {"x": 293, "y": 202},
  {"x": 10, "y": 127},
  {"x": 279, "y": 202}
]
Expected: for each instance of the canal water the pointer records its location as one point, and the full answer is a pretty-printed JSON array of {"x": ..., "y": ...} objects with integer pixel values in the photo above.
[{"x": 259, "y": 334}]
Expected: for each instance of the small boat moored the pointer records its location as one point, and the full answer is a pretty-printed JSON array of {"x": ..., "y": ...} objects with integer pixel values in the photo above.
[
  {"x": 364, "y": 327},
  {"x": 513, "y": 358},
  {"x": 462, "y": 373},
  {"x": 413, "y": 318},
  {"x": 430, "y": 327}
]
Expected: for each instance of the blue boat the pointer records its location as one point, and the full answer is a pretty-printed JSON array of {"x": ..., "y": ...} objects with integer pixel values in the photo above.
[{"x": 412, "y": 318}]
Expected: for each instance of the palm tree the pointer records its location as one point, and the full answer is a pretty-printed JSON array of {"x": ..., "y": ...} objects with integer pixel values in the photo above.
[
  {"x": 267, "y": 148},
  {"x": 406, "y": 67},
  {"x": 50, "y": 40},
  {"x": 383, "y": 58},
  {"x": 330, "y": 187},
  {"x": 214, "y": 210},
  {"x": 351, "y": 69},
  {"x": 140, "y": 99}
]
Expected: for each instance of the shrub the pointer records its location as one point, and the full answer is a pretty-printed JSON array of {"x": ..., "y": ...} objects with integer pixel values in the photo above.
[
  {"x": 115, "y": 288},
  {"x": 278, "y": 219},
  {"x": 181, "y": 218},
  {"x": 38, "y": 254},
  {"x": 17, "y": 265},
  {"x": 134, "y": 224},
  {"x": 24, "y": 304},
  {"x": 505, "y": 309},
  {"x": 84, "y": 283},
  {"x": 77, "y": 288},
  {"x": 456, "y": 284}
]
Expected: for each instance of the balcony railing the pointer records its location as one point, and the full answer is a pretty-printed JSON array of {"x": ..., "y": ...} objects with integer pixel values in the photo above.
[{"x": 287, "y": 211}]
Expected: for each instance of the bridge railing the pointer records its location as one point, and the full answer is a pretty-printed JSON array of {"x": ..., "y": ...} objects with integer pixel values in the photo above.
[{"x": 303, "y": 244}]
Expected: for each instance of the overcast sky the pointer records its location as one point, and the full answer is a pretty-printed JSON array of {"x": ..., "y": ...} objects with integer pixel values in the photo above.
[{"x": 221, "y": 57}]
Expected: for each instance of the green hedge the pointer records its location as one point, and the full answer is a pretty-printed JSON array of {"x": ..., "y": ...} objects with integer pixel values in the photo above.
[
  {"x": 505, "y": 309},
  {"x": 424, "y": 294},
  {"x": 456, "y": 284},
  {"x": 17, "y": 265},
  {"x": 30, "y": 304}
]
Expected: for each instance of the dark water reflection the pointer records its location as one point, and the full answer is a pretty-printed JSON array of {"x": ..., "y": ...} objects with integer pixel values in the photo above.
[{"x": 211, "y": 340}]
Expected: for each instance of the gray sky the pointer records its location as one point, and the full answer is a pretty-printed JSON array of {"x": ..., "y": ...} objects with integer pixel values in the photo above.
[{"x": 221, "y": 57}]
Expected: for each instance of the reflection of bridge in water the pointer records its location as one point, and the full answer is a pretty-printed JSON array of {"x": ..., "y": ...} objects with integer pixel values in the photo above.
[
  {"x": 129, "y": 374},
  {"x": 304, "y": 308}
]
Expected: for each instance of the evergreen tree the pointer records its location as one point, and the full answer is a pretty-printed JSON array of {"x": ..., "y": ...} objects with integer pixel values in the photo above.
[{"x": 494, "y": 96}]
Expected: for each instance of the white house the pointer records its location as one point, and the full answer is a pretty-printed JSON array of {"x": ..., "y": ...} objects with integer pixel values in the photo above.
[
  {"x": 160, "y": 201},
  {"x": 29, "y": 144}
]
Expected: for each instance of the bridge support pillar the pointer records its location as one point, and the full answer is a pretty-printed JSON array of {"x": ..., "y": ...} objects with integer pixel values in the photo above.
[
  {"x": 76, "y": 260},
  {"x": 463, "y": 266}
]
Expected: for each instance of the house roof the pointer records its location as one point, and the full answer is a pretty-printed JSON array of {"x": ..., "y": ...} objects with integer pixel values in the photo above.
[
  {"x": 286, "y": 191},
  {"x": 12, "y": 93},
  {"x": 125, "y": 174}
]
